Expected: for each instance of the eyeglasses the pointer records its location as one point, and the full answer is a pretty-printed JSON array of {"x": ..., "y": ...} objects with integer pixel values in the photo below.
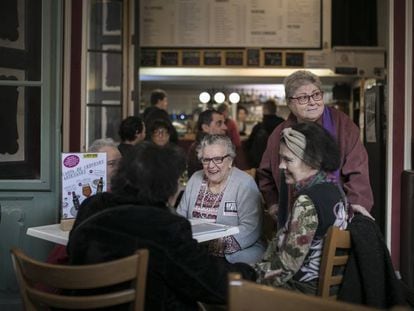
[
  {"x": 304, "y": 99},
  {"x": 160, "y": 132},
  {"x": 216, "y": 160}
]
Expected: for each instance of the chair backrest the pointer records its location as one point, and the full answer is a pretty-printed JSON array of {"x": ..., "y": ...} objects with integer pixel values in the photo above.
[
  {"x": 245, "y": 296},
  {"x": 64, "y": 278},
  {"x": 334, "y": 259}
]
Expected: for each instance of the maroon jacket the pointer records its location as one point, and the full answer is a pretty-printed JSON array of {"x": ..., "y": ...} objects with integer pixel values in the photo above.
[
  {"x": 233, "y": 132},
  {"x": 354, "y": 162}
]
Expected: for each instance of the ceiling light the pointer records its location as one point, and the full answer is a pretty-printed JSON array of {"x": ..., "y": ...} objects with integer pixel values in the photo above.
[
  {"x": 234, "y": 98},
  {"x": 219, "y": 97},
  {"x": 204, "y": 97}
]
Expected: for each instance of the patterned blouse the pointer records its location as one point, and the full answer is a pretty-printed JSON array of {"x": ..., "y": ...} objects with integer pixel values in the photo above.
[
  {"x": 295, "y": 247},
  {"x": 206, "y": 206}
]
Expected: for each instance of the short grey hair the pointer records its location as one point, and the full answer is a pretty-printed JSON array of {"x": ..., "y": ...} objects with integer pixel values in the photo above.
[
  {"x": 98, "y": 144},
  {"x": 299, "y": 78},
  {"x": 215, "y": 139}
]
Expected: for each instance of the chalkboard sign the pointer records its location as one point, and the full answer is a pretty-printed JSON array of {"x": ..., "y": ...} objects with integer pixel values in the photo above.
[
  {"x": 234, "y": 58},
  {"x": 212, "y": 58},
  {"x": 148, "y": 57},
  {"x": 169, "y": 58},
  {"x": 273, "y": 58},
  {"x": 253, "y": 57},
  {"x": 294, "y": 59},
  {"x": 191, "y": 58}
]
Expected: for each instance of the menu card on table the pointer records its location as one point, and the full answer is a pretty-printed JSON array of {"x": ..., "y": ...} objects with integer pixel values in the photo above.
[
  {"x": 203, "y": 228},
  {"x": 83, "y": 174}
]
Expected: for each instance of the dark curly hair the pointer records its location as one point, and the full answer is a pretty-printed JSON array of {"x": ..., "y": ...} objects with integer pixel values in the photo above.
[
  {"x": 158, "y": 124},
  {"x": 149, "y": 173},
  {"x": 129, "y": 127},
  {"x": 321, "y": 151},
  {"x": 157, "y": 95}
]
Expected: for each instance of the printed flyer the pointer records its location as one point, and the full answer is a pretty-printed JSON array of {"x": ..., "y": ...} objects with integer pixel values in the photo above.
[{"x": 83, "y": 174}]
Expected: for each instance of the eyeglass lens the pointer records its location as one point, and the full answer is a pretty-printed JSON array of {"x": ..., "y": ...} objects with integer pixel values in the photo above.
[
  {"x": 216, "y": 160},
  {"x": 304, "y": 99}
]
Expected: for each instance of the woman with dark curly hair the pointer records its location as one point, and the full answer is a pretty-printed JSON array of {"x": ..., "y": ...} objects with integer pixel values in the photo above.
[
  {"x": 309, "y": 156},
  {"x": 159, "y": 132},
  {"x": 136, "y": 215}
]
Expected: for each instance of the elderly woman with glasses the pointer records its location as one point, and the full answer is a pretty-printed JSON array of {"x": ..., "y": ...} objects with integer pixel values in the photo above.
[
  {"x": 225, "y": 195},
  {"x": 304, "y": 98},
  {"x": 309, "y": 157}
]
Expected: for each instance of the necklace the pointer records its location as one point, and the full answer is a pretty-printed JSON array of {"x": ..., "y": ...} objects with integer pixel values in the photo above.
[{"x": 218, "y": 197}]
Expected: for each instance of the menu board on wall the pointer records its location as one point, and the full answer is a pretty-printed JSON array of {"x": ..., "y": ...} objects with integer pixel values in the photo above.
[{"x": 231, "y": 23}]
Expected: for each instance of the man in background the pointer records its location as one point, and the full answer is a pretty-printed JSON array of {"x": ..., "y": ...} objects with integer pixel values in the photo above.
[
  {"x": 210, "y": 121},
  {"x": 158, "y": 110},
  {"x": 232, "y": 129},
  {"x": 131, "y": 132},
  {"x": 257, "y": 141}
]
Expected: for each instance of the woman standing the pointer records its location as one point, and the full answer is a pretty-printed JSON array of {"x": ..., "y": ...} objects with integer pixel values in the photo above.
[
  {"x": 308, "y": 156},
  {"x": 228, "y": 196},
  {"x": 304, "y": 97}
]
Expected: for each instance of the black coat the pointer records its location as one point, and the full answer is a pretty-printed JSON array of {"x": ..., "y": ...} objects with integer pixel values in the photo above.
[
  {"x": 154, "y": 113},
  {"x": 369, "y": 276},
  {"x": 256, "y": 144},
  {"x": 180, "y": 272}
]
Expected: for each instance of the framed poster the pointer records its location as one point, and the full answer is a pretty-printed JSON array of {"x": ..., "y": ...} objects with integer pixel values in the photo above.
[
  {"x": 169, "y": 58},
  {"x": 273, "y": 58},
  {"x": 295, "y": 59},
  {"x": 212, "y": 58},
  {"x": 253, "y": 57},
  {"x": 234, "y": 58},
  {"x": 190, "y": 58},
  {"x": 148, "y": 57}
]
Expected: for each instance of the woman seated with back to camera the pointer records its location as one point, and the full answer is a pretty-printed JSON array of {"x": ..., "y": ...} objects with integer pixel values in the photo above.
[
  {"x": 136, "y": 215},
  {"x": 309, "y": 157},
  {"x": 228, "y": 196}
]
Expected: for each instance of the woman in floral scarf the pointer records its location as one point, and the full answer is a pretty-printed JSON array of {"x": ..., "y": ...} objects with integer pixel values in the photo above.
[{"x": 309, "y": 156}]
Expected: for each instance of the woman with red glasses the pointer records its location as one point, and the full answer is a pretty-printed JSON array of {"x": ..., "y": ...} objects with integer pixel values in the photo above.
[{"x": 304, "y": 98}]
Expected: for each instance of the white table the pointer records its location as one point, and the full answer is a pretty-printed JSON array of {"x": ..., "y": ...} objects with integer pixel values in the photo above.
[{"x": 53, "y": 233}]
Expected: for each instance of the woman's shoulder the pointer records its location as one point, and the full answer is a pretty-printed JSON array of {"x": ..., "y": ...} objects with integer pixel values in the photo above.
[
  {"x": 242, "y": 178},
  {"x": 195, "y": 179},
  {"x": 239, "y": 174},
  {"x": 343, "y": 120}
]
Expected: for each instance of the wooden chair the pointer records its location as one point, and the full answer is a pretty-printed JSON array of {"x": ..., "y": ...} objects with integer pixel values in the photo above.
[
  {"x": 31, "y": 272},
  {"x": 336, "y": 240},
  {"x": 245, "y": 296}
]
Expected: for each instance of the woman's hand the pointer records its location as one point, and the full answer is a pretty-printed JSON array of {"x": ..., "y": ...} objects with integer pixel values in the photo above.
[
  {"x": 356, "y": 208},
  {"x": 272, "y": 211}
]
